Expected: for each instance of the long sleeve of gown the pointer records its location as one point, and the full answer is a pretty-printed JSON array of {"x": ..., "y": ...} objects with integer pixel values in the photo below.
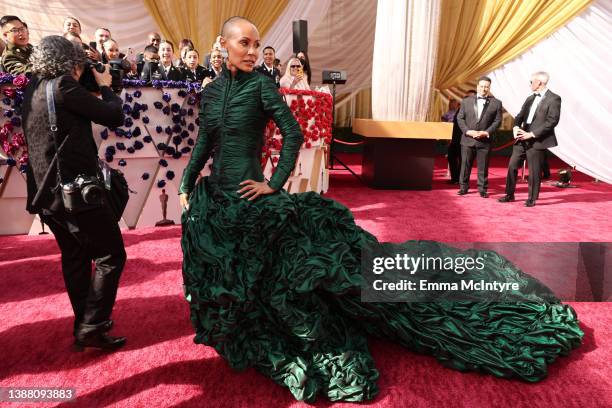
[
  {"x": 277, "y": 109},
  {"x": 199, "y": 157}
]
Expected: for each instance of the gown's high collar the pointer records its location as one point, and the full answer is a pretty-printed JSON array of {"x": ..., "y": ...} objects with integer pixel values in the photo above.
[{"x": 226, "y": 72}]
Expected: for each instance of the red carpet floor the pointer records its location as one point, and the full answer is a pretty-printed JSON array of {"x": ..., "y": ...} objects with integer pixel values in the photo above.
[{"x": 162, "y": 367}]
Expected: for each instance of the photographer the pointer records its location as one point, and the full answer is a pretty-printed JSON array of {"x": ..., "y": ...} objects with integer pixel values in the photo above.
[{"x": 84, "y": 230}]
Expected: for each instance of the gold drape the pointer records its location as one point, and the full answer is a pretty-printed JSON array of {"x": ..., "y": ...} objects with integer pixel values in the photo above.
[
  {"x": 200, "y": 20},
  {"x": 477, "y": 36}
]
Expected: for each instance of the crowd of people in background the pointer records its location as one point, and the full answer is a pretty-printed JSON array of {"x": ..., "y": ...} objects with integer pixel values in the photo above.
[{"x": 159, "y": 59}]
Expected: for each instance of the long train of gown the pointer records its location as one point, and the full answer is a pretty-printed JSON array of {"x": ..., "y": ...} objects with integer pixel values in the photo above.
[{"x": 275, "y": 284}]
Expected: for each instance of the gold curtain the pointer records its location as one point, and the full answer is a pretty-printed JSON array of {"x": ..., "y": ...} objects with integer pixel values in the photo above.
[
  {"x": 200, "y": 20},
  {"x": 477, "y": 36}
]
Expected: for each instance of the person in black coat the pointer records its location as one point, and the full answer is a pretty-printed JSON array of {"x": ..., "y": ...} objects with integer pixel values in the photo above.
[
  {"x": 267, "y": 68},
  {"x": 534, "y": 132},
  {"x": 192, "y": 71},
  {"x": 90, "y": 235},
  {"x": 479, "y": 118},
  {"x": 164, "y": 69}
]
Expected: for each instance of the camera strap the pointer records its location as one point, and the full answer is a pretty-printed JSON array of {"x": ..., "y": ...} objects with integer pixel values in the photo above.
[{"x": 53, "y": 127}]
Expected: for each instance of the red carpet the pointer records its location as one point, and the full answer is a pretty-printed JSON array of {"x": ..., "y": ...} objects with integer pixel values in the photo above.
[{"x": 161, "y": 367}]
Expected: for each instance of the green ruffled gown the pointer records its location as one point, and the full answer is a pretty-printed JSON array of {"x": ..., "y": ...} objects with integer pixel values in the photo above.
[{"x": 275, "y": 283}]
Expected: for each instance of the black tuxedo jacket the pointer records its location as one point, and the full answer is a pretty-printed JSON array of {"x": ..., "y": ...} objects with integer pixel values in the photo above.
[
  {"x": 160, "y": 73},
  {"x": 489, "y": 120},
  {"x": 199, "y": 76},
  {"x": 274, "y": 75},
  {"x": 76, "y": 108},
  {"x": 546, "y": 117}
]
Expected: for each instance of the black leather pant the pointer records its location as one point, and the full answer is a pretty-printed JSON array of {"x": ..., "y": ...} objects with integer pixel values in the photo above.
[{"x": 97, "y": 240}]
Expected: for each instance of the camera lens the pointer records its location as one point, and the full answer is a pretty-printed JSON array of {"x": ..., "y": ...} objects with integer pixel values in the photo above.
[{"x": 92, "y": 194}]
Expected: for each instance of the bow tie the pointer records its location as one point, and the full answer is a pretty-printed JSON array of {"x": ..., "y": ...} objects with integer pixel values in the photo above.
[
  {"x": 536, "y": 95},
  {"x": 482, "y": 97}
]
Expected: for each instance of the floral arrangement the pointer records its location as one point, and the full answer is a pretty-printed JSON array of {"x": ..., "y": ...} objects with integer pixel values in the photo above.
[
  {"x": 313, "y": 112},
  {"x": 12, "y": 140}
]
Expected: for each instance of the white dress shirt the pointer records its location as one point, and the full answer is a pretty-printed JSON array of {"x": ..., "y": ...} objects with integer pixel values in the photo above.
[{"x": 534, "y": 105}]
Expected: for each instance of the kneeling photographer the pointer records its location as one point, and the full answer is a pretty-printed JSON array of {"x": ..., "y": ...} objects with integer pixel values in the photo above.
[{"x": 64, "y": 183}]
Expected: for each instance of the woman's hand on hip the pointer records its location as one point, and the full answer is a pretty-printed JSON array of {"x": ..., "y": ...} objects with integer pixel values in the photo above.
[
  {"x": 184, "y": 200},
  {"x": 253, "y": 189}
]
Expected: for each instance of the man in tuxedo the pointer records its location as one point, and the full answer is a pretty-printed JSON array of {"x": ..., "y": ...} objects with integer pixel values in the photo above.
[
  {"x": 478, "y": 118},
  {"x": 267, "y": 68},
  {"x": 534, "y": 132}
]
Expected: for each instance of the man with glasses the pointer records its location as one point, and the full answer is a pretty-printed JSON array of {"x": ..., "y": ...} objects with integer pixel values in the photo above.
[
  {"x": 15, "y": 57},
  {"x": 534, "y": 132}
]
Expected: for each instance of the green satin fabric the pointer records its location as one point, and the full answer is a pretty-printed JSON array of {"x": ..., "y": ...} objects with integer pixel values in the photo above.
[{"x": 275, "y": 283}]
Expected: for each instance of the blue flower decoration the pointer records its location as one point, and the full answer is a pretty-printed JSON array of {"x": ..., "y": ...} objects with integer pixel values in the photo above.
[
  {"x": 128, "y": 122},
  {"x": 176, "y": 119},
  {"x": 170, "y": 150},
  {"x": 161, "y": 146},
  {"x": 131, "y": 150},
  {"x": 185, "y": 150},
  {"x": 110, "y": 150},
  {"x": 145, "y": 120},
  {"x": 183, "y": 123},
  {"x": 183, "y": 112},
  {"x": 176, "y": 155},
  {"x": 122, "y": 163},
  {"x": 191, "y": 127},
  {"x": 177, "y": 128},
  {"x": 145, "y": 176},
  {"x": 197, "y": 121},
  {"x": 169, "y": 174},
  {"x": 159, "y": 129},
  {"x": 138, "y": 145},
  {"x": 175, "y": 107},
  {"x": 166, "y": 97},
  {"x": 163, "y": 163},
  {"x": 22, "y": 169},
  {"x": 120, "y": 146},
  {"x": 166, "y": 110},
  {"x": 104, "y": 134},
  {"x": 128, "y": 134},
  {"x": 10, "y": 161},
  {"x": 191, "y": 100},
  {"x": 108, "y": 157},
  {"x": 168, "y": 130},
  {"x": 6, "y": 101},
  {"x": 127, "y": 109},
  {"x": 190, "y": 142},
  {"x": 8, "y": 113},
  {"x": 182, "y": 93},
  {"x": 144, "y": 107},
  {"x": 158, "y": 105},
  {"x": 128, "y": 97},
  {"x": 137, "y": 94},
  {"x": 136, "y": 114},
  {"x": 190, "y": 112},
  {"x": 17, "y": 110},
  {"x": 147, "y": 139},
  {"x": 16, "y": 121},
  {"x": 161, "y": 183},
  {"x": 176, "y": 140},
  {"x": 136, "y": 132},
  {"x": 119, "y": 132}
]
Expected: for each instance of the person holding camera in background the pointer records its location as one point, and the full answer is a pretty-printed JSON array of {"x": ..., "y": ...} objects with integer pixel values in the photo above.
[
  {"x": 162, "y": 69},
  {"x": 69, "y": 196},
  {"x": 294, "y": 77}
]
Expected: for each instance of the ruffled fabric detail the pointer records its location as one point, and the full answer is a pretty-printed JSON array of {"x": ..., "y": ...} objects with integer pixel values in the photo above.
[{"x": 275, "y": 284}]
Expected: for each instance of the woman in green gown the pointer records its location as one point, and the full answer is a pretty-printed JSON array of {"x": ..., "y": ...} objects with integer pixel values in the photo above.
[{"x": 273, "y": 280}]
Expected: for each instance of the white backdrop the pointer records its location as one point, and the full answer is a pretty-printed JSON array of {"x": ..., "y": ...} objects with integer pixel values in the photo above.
[
  {"x": 405, "y": 48},
  {"x": 129, "y": 21},
  {"x": 579, "y": 60}
]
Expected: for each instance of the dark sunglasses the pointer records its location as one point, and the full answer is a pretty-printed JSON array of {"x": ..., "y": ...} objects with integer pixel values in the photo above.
[{"x": 295, "y": 66}]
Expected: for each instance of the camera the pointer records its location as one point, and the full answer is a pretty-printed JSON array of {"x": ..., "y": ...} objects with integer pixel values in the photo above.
[
  {"x": 84, "y": 193},
  {"x": 118, "y": 69}
]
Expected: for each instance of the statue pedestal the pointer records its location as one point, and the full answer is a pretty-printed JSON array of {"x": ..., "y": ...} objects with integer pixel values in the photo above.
[{"x": 164, "y": 223}]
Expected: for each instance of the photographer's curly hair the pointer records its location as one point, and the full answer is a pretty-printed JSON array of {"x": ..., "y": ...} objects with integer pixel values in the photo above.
[{"x": 55, "y": 56}]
